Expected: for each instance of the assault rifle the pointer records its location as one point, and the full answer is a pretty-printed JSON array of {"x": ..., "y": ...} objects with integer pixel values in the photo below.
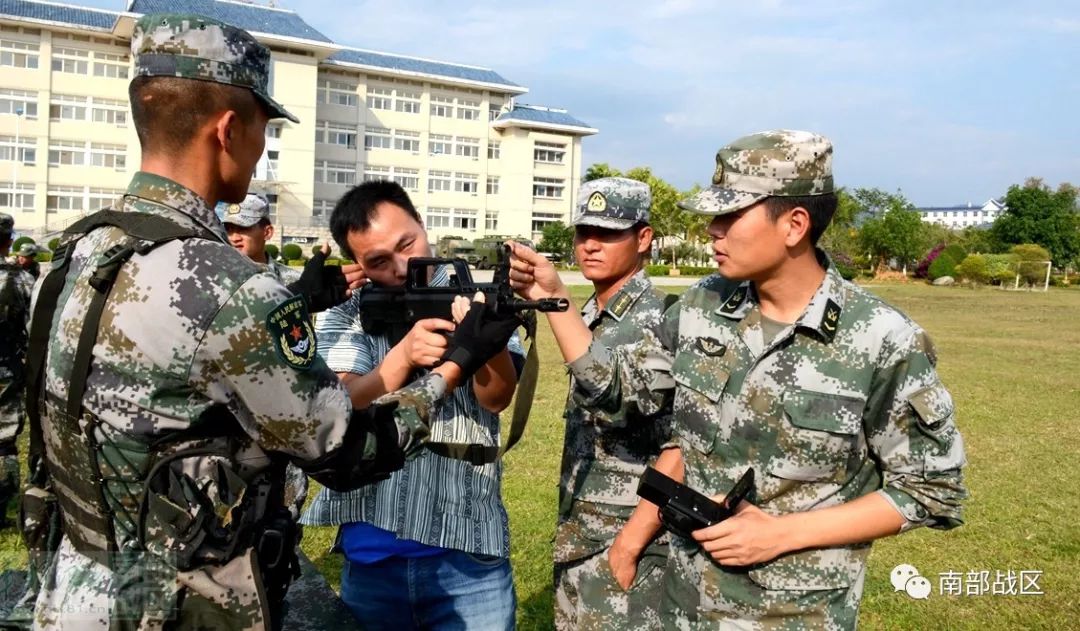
[{"x": 392, "y": 311}]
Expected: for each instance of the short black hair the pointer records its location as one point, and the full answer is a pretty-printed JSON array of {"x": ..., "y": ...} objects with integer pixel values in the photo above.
[
  {"x": 354, "y": 210},
  {"x": 820, "y": 208},
  {"x": 168, "y": 111}
]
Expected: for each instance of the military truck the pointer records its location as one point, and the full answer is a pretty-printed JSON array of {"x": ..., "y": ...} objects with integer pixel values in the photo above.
[
  {"x": 452, "y": 247},
  {"x": 487, "y": 249}
]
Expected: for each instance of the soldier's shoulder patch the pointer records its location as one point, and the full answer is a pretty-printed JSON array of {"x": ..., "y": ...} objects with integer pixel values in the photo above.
[
  {"x": 622, "y": 303},
  {"x": 597, "y": 202},
  {"x": 290, "y": 329},
  {"x": 830, "y": 319}
]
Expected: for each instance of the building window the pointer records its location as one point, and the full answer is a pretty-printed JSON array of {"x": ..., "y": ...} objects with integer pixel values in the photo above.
[
  {"x": 380, "y": 98},
  {"x": 408, "y": 102},
  {"x": 437, "y": 218},
  {"x": 110, "y": 66},
  {"x": 549, "y": 152},
  {"x": 272, "y": 206},
  {"x": 465, "y": 183},
  {"x": 463, "y": 219},
  {"x": 331, "y": 134},
  {"x": 18, "y": 54},
  {"x": 109, "y": 111},
  {"x": 335, "y": 172},
  {"x": 25, "y": 151},
  {"x": 440, "y": 145},
  {"x": 21, "y": 197},
  {"x": 374, "y": 173},
  {"x": 71, "y": 60},
  {"x": 70, "y": 108},
  {"x": 63, "y": 152},
  {"x": 377, "y": 138},
  {"x": 337, "y": 93},
  {"x": 272, "y": 157},
  {"x": 491, "y": 221},
  {"x": 12, "y": 101},
  {"x": 494, "y": 111},
  {"x": 407, "y": 141},
  {"x": 442, "y": 106},
  {"x": 468, "y": 110},
  {"x": 548, "y": 187},
  {"x": 539, "y": 220},
  {"x": 494, "y": 149},
  {"x": 102, "y": 198},
  {"x": 468, "y": 147},
  {"x": 439, "y": 181},
  {"x": 273, "y": 130},
  {"x": 109, "y": 156},
  {"x": 64, "y": 199},
  {"x": 409, "y": 179},
  {"x": 493, "y": 185},
  {"x": 322, "y": 208}
]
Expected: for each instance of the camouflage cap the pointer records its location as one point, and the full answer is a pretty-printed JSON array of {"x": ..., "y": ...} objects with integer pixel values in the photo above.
[
  {"x": 196, "y": 47},
  {"x": 7, "y": 224},
  {"x": 247, "y": 213},
  {"x": 28, "y": 250},
  {"x": 777, "y": 163},
  {"x": 616, "y": 203}
]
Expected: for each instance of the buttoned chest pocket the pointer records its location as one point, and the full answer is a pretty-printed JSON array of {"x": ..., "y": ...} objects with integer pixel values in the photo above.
[
  {"x": 701, "y": 381},
  {"x": 820, "y": 436}
]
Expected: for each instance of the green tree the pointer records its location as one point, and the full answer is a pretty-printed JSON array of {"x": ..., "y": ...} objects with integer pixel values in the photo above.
[
  {"x": 669, "y": 222},
  {"x": 19, "y": 243},
  {"x": 558, "y": 239},
  {"x": 974, "y": 269},
  {"x": 899, "y": 233},
  {"x": 599, "y": 170},
  {"x": 54, "y": 243},
  {"x": 841, "y": 238},
  {"x": 1035, "y": 214},
  {"x": 291, "y": 252},
  {"x": 1030, "y": 262},
  {"x": 271, "y": 251}
]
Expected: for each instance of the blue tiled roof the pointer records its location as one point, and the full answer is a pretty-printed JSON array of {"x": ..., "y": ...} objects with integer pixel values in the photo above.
[
  {"x": 408, "y": 64},
  {"x": 249, "y": 17},
  {"x": 57, "y": 13},
  {"x": 538, "y": 115}
]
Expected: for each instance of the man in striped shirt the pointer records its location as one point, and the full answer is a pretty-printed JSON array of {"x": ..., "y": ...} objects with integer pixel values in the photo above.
[{"x": 429, "y": 547}]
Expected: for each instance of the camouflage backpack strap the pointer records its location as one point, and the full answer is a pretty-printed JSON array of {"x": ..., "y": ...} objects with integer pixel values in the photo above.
[
  {"x": 478, "y": 454},
  {"x": 146, "y": 232}
]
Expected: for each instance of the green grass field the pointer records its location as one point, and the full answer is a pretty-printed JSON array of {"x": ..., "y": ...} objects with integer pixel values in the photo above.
[{"x": 1010, "y": 360}]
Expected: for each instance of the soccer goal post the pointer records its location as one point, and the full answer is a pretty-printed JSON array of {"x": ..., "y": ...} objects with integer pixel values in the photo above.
[{"x": 1033, "y": 273}]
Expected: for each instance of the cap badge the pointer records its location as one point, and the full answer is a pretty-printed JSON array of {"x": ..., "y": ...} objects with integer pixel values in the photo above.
[
  {"x": 233, "y": 209},
  {"x": 597, "y": 203}
]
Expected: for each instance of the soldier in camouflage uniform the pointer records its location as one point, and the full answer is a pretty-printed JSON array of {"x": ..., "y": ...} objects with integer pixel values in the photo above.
[
  {"x": 780, "y": 365},
  {"x": 15, "y": 287},
  {"x": 204, "y": 376},
  {"x": 606, "y": 450}
]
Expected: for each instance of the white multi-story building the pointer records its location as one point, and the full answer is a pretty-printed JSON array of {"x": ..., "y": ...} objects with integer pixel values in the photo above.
[
  {"x": 959, "y": 217},
  {"x": 474, "y": 160}
]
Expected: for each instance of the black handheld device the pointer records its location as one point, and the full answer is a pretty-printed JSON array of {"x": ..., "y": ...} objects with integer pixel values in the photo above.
[{"x": 684, "y": 510}]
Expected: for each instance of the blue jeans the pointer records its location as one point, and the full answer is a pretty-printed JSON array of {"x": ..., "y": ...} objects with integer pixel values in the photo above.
[{"x": 456, "y": 590}]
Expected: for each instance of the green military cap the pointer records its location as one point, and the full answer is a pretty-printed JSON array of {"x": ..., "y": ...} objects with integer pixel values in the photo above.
[
  {"x": 777, "y": 163},
  {"x": 247, "y": 213},
  {"x": 7, "y": 224},
  {"x": 616, "y": 203},
  {"x": 196, "y": 47}
]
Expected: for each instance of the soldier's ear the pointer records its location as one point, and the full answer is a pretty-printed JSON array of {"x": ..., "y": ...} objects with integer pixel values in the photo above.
[
  {"x": 225, "y": 129},
  {"x": 798, "y": 223},
  {"x": 644, "y": 239}
]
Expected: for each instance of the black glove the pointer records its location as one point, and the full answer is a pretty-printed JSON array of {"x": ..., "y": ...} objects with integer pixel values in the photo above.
[
  {"x": 322, "y": 286},
  {"x": 482, "y": 335}
]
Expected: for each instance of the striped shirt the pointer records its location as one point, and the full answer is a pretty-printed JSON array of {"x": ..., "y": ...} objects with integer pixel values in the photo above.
[{"x": 434, "y": 500}]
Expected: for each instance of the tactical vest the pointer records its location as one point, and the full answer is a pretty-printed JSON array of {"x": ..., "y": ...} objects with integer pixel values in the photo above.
[{"x": 102, "y": 484}]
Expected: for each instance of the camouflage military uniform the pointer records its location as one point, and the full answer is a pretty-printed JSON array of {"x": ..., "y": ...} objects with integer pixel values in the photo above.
[
  {"x": 843, "y": 403},
  {"x": 604, "y": 454},
  {"x": 15, "y": 287},
  {"x": 162, "y": 504},
  {"x": 605, "y": 450}
]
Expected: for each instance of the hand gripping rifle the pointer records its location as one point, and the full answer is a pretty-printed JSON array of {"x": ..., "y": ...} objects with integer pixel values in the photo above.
[{"x": 392, "y": 311}]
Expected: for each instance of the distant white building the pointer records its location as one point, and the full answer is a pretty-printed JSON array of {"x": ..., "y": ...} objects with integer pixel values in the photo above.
[{"x": 958, "y": 217}]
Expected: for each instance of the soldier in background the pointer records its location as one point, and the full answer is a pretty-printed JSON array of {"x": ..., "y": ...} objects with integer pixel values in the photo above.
[
  {"x": 164, "y": 438},
  {"x": 779, "y": 365},
  {"x": 600, "y": 583},
  {"x": 249, "y": 228},
  {"x": 15, "y": 287},
  {"x": 26, "y": 258}
]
